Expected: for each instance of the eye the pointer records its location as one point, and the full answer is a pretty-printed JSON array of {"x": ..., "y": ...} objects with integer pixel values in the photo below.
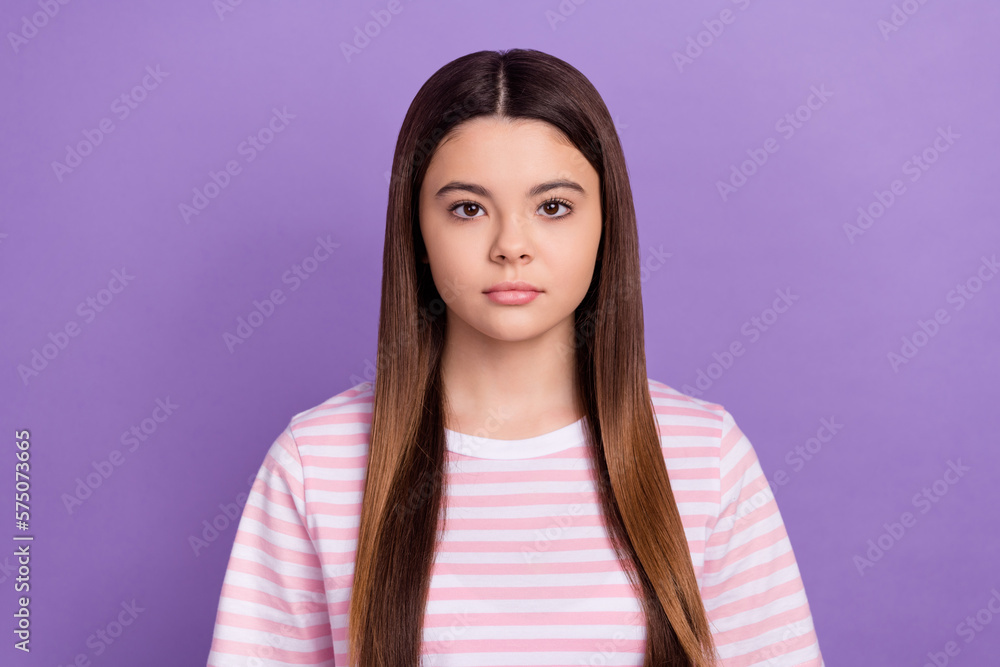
[
  {"x": 471, "y": 209},
  {"x": 465, "y": 206},
  {"x": 547, "y": 207}
]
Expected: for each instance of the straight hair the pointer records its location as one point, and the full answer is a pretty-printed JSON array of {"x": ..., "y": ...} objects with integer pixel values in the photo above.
[{"x": 405, "y": 476}]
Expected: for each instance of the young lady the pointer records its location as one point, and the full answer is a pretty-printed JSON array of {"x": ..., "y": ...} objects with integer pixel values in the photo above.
[{"x": 511, "y": 489}]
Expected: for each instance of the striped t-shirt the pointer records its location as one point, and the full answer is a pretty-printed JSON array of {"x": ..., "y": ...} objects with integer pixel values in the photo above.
[{"x": 525, "y": 573}]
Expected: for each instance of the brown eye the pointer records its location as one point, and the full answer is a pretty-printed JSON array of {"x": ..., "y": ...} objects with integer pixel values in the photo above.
[
  {"x": 552, "y": 207},
  {"x": 470, "y": 209}
]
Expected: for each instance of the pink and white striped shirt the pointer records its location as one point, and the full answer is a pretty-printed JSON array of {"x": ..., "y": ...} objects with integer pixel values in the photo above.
[{"x": 525, "y": 574}]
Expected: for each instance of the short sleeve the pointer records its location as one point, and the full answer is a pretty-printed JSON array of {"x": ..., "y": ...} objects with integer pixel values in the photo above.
[
  {"x": 273, "y": 607},
  {"x": 752, "y": 589}
]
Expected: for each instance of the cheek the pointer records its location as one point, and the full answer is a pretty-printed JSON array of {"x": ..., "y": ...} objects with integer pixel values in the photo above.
[
  {"x": 579, "y": 254},
  {"x": 584, "y": 273},
  {"x": 449, "y": 264}
]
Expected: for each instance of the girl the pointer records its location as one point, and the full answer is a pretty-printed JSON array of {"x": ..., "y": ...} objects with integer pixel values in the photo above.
[{"x": 511, "y": 489}]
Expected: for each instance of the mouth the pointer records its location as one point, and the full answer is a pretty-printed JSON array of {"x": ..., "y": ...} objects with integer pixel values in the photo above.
[
  {"x": 512, "y": 293},
  {"x": 518, "y": 286}
]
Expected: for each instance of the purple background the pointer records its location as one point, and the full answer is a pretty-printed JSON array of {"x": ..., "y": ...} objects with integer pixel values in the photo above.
[{"x": 683, "y": 129}]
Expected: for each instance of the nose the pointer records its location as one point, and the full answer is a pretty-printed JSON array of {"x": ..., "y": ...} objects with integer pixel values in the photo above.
[{"x": 513, "y": 240}]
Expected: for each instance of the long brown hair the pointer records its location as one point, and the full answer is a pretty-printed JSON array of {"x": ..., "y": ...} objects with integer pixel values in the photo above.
[{"x": 403, "y": 490}]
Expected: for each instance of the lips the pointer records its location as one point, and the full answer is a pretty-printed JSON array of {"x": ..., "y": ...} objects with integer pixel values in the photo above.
[{"x": 517, "y": 286}]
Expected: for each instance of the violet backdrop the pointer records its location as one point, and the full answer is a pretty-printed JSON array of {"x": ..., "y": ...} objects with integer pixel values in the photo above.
[{"x": 754, "y": 132}]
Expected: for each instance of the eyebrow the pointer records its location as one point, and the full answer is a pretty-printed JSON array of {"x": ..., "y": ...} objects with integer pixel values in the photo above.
[{"x": 456, "y": 186}]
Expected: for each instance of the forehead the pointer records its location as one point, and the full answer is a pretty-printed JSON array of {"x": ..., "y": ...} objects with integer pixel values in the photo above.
[{"x": 506, "y": 150}]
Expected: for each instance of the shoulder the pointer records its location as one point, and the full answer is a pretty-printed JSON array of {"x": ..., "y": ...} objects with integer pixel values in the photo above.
[
  {"x": 693, "y": 432},
  {"x": 700, "y": 434},
  {"x": 343, "y": 419},
  {"x": 692, "y": 436},
  {"x": 676, "y": 410}
]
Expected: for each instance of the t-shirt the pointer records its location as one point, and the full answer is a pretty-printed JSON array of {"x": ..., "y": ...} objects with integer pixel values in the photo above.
[{"x": 524, "y": 573}]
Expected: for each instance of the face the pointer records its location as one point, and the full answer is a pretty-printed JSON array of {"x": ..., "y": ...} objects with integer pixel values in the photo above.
[{"x": 507, "y": 202}]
